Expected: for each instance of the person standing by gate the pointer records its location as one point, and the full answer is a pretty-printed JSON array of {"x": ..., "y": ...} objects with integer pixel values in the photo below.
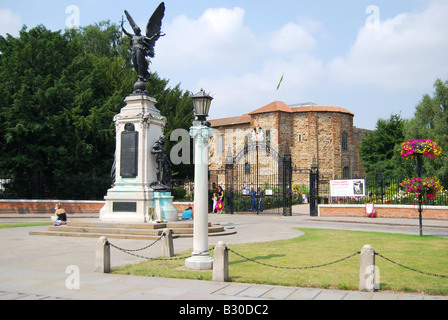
[
  {"x": 260, "y": 194},
  {"x": 253, "y": 195}
]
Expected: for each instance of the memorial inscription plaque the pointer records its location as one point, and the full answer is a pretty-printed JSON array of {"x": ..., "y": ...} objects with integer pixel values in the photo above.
[
  {"x": 129, "y": 153},
  {"x": 125, "y": 207}
]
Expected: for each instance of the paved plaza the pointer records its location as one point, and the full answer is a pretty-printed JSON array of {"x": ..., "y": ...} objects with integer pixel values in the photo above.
[{"x": 40, "y": 267}]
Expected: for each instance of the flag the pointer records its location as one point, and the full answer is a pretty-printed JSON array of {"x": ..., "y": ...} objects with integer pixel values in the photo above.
[{"x": 281, "y": 80}]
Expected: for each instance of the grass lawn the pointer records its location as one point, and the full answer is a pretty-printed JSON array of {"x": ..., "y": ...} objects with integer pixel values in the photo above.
[
  {"x": 21, "y": 225},
  {"x": 318, "y": 247}
]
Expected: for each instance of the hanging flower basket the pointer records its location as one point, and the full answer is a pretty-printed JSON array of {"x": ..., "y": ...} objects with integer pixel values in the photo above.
[
  {"x": 426, "y": 187},
  {"x": 427, "y": 148}
]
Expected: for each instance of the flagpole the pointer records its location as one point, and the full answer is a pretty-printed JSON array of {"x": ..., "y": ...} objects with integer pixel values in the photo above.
[{"x": 280, "y": 84}]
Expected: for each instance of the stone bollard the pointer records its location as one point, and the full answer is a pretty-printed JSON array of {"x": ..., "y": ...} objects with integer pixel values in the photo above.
[
  {"x": 167, "y": 244},
  {"x": 102, "y": 262},
  {"x": 221, "y": 263},
  {"x": 367, "y": 281}
]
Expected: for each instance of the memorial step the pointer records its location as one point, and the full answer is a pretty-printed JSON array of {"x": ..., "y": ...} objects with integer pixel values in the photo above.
[{"x": 128, "y": 231}]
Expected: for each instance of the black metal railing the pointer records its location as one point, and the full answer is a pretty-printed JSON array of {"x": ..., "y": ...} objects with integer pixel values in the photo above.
[
  {"x": 384, "y": 190},
  {"x": 51, "y": 188}
]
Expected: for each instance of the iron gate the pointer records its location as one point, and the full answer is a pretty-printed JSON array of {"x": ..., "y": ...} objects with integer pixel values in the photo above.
[
  {"x": 258, "y": 180},
  {"x": 314, "y": 191},
  {"x": 320, "y": 192}
]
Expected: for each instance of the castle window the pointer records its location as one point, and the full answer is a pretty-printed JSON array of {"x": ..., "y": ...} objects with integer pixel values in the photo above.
[
  {"x": 346, "y": 173},
  {"x": 344, "y": 141},
  {"x": 268, "y": 137},
  {"x": 299, "y": 138}
]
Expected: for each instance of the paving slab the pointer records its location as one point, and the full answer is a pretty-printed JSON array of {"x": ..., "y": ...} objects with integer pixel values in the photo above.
[
  {"x": 255, "y": 292},
  {"x": 281, "y": 293},
  {"x": 232, "y": 289},
  {"x": 304, "y": 294},
  {"x": 356, "y": 295},
  {"x": 331, "y": 295}
]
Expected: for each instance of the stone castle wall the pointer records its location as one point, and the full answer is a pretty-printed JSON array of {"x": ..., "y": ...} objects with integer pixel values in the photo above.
[{"x": 309, "y": 136}]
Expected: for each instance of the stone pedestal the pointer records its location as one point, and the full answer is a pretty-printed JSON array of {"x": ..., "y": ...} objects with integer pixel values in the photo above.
[
  {"x": 138, "y": 126},
  {"x": 164, "y": 207}
]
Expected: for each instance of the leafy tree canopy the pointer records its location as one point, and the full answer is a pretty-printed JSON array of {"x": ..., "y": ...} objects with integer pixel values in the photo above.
[
  {"x": 379, "y": 149},
  {"x": 59, "y": 92},
  {"x": 431, "y": 122}
]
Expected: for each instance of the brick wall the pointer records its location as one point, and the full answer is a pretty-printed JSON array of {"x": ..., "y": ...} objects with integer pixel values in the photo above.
[
  {"x": 41, "y": 207},
  {"x": 384, "y": 211},
  {"x": 47, "y": 207}
]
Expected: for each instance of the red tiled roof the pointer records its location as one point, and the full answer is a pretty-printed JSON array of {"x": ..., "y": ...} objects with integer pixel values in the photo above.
[
  {"x": 273, "y": 107},
  {"x": 245, "y": 118},
  {"x": 281, "y": 106},
  {"x": 314, "y": 108},
  {"x": 276, "y": 106}
]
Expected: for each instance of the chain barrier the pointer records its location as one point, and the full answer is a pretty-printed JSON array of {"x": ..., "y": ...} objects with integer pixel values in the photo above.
[
  {"x": 415, "y": 270},
  {"x": 130, "y": 252},
  {"x": 137, "y": 250},
  {"x": 334, "y": 262},
  {"x": 295, "y": 268}
]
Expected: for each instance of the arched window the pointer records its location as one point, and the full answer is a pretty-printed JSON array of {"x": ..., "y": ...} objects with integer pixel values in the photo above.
[
  {"x": 346, "y": 173},
  {"x": 344, "y": 141}
]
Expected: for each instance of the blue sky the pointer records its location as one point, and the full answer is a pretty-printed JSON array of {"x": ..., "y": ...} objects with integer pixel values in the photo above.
[{"x": 372, "y": 57}]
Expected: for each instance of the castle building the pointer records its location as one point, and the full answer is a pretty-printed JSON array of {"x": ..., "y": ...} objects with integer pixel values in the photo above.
[{"x": 314, "y": 135}]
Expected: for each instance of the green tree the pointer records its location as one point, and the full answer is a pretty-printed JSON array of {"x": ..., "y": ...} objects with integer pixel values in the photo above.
[
  {"x": 59, "y": 92},
  {"x": 378, "y": 150},
  {"x": 431, "y": 122},
  {"x": 29, "y": 108}
]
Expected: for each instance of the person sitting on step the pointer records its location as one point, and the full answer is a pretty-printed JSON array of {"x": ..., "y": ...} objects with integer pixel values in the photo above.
[{"x": 60, "y": 216}]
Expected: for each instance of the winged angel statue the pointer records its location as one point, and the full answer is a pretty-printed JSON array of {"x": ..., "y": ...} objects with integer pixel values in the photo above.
[{"x": 143, "y": 46}]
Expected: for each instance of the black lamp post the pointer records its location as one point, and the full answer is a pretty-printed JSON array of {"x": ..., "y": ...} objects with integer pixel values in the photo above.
[{"x": 201, "y": 102}]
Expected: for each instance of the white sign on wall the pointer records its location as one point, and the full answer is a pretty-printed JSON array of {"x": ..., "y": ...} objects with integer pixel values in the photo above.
[{"x": 348, "y": 188}]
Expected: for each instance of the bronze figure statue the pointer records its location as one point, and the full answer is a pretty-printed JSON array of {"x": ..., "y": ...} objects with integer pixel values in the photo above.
[
  {"x": 164, "y": 171},
  {"x": 143, "y": 45}
]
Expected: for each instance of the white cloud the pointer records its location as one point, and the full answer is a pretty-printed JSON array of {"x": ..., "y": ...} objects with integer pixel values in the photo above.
[
  {"x": 218, "y": 39},
  {"x": 9, "y": 22},
  {"x": 405, "y": 52},
  {"x": 219, "y": 53},
  {"x": 292, "y": 39},
  {"x": 288, "y": 51}
]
